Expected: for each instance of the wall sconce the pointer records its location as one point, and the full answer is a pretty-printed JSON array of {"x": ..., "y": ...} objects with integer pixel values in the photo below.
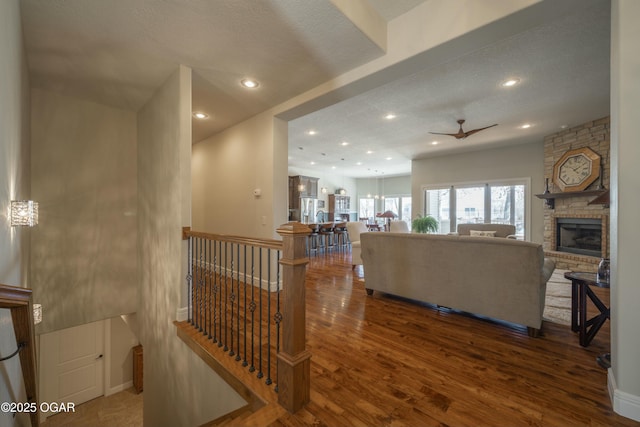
[
  {"x": 37, "y": 313},
  {"x": 24, "y": 213}
]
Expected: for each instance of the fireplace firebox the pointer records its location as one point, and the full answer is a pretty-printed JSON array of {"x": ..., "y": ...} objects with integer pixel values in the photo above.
[{"x": 581, "y": 236}]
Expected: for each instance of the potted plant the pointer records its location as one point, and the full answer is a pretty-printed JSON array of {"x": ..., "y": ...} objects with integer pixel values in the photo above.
[{"x": 424, "y": 224}]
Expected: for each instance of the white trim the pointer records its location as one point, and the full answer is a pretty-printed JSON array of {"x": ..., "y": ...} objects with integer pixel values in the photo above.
[
  {"x": 182, "y": 314},
  {"x": 625, "y": 404},
  {"x": 254, "y": 281},
  {"x": 118, "y": 388}
]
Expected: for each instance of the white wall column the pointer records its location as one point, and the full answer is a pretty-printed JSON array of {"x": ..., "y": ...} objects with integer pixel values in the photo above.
[{"x": 624, "y": 376}]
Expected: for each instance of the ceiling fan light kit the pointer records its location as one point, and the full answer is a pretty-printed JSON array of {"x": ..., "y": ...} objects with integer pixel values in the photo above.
[{"x": 461, "y": 134}]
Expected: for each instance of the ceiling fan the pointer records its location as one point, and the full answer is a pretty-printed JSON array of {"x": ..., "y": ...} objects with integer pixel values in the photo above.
[{"x": 462, "y": 134}]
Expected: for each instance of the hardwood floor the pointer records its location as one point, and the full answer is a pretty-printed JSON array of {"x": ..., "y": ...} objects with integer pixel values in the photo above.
[{"x": 383, "y": 361}]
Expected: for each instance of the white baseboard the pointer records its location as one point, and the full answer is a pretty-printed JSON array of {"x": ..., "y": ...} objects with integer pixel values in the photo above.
[
  {"x": 182, "y": 314},
  {"x": 118, "y": 388},
  {"x": 625, "y": 404}
]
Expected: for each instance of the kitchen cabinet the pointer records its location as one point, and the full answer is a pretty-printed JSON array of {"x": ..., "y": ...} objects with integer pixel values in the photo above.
[
  {"x": 303, "y": 186},
  {"x": 299, "y": 187},
  {"x": 339, "y": 207}
]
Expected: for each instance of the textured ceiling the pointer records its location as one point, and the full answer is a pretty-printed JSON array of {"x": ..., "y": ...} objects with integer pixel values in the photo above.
[
  {"x": 563, "y": 69},
  {"x": 118, "y": 52}
]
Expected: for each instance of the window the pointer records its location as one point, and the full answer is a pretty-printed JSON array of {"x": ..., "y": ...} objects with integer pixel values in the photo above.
[
  {"x": 391, "y": 204},
  {"x": 437, "y": 201},
  {"x": 399, "y": 205},
  {"x": 367, "y": 208},
  {"x": 500, "y": 202},
  {"x": 405, "y": 209}
]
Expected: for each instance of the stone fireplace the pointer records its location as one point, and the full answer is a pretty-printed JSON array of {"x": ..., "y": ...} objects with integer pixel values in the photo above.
[{"x": 576, "y": 230}]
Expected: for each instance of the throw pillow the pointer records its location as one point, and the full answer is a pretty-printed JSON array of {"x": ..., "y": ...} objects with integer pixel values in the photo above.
[{"x": 482, "y": 233}]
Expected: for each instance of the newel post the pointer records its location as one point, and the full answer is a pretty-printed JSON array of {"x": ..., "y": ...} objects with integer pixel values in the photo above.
[{"x": 293, "y": 359}]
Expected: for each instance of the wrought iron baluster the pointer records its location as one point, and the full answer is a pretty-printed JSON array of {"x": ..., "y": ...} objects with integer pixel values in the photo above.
[
  {"x": 244, "y": 361},
  {"x": 190, "y": 280},
  {"x": 211, "y": 290},
  {"x": 197, "y": 284},
  {"x": 216, "y": 288},
  {"x": 260, "y": 278},
  {"x": 221, "y": 319},
  {"x": 238, "y": 303},
  {"x": 252, "y": 308},
  {"x": 232, "y": 299},
  {"x": 268, "y": 380},
  {"x": 226, "y": 293},
  {"x": 205, "y": 299},
  {"x": 278, "y": 315}
]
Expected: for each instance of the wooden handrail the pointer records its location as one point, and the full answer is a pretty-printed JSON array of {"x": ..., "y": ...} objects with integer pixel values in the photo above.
[
  {"x": 18, "y": 300},
  {"x": 249, "y": 241},
  {"x": 293, "y": 358}
]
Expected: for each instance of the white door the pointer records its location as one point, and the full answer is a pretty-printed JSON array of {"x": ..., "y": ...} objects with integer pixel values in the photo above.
[{"x": 72, "y": 364}]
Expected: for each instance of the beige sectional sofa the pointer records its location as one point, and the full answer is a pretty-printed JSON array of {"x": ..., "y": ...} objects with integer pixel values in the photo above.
[{"x": 495, "y": 277}]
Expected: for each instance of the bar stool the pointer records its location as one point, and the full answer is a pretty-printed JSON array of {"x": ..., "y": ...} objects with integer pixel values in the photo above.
[
  {"x": 313, "y": 240},
  {"x": 326, "y": 235},
  {"x": 340, "y": 234}
]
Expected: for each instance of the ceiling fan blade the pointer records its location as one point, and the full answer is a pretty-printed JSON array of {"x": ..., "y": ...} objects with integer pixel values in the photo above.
[
  {"x": 471, "y": 132},
  {"x": 461, "y": 133},
  {"x": 448, "y": 134}
]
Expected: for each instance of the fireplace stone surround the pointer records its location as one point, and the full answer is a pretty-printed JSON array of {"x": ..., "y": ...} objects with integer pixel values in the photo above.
[{"x": 595, "y": 135}]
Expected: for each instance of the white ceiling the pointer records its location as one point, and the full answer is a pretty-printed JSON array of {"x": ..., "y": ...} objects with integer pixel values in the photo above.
[
  {"x": 563, "y": 69},
  {"x": 118, "y": 53}
]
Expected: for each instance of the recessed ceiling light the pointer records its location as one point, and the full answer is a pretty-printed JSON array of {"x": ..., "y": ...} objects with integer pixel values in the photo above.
[
  {"x": 434, "y": 143},
  {"x": 564, "y": 126},
  {"x": 333, "y": 167},
  {"x": 525, "y": 126},
  {"x": 312, "y": 163},
  {"x": 249, "y": 83},
  {"x": 510, "y": 82},
  {"x": 390, "y": 116},
  {"x": 358, "y": 163},
  {"x": 311, "y": 132},
  {"x": 369, "y": 152},
  {"x": 200, "y": 115},
  {"x": 389, "y": 158},
  {"x": 344, "y": 143}
]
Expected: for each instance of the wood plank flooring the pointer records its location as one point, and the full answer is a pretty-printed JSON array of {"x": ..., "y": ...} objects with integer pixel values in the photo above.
[{"x": 385, "y": 361}]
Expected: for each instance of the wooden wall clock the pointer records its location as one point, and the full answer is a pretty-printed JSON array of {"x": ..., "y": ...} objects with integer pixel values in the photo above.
[{"x": 576, "y": 169}]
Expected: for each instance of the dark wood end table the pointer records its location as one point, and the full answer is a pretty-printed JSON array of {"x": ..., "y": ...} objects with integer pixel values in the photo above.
[{"x": 581, "y": 289}]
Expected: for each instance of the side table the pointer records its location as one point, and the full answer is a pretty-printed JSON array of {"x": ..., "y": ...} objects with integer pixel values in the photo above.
[{"x": 581, "y": 289}]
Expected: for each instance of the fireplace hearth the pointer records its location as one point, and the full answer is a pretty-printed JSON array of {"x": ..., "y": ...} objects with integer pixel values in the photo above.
[{"x": 579, "y": 236}]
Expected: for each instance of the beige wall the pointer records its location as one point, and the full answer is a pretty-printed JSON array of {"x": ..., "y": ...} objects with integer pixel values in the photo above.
[
  {"x": 624, "y": 377},
  {"x": 14, "y": 184},
  {"x": 180, "y": 389},
  {"x": 520, "y": 161},
  {"x": 227, "y": 167},
  {"x": 83, "y": 264}
]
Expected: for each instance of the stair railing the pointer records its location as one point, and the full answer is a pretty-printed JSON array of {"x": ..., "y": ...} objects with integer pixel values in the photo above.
[
  {"x": 247, "y": 296},
  {"x": 18, "y": 301}
]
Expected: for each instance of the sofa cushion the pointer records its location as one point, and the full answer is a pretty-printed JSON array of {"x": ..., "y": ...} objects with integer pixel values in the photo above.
[
  {"x": 480, "y": 233},
  {"x": 502, "y": 230}
]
